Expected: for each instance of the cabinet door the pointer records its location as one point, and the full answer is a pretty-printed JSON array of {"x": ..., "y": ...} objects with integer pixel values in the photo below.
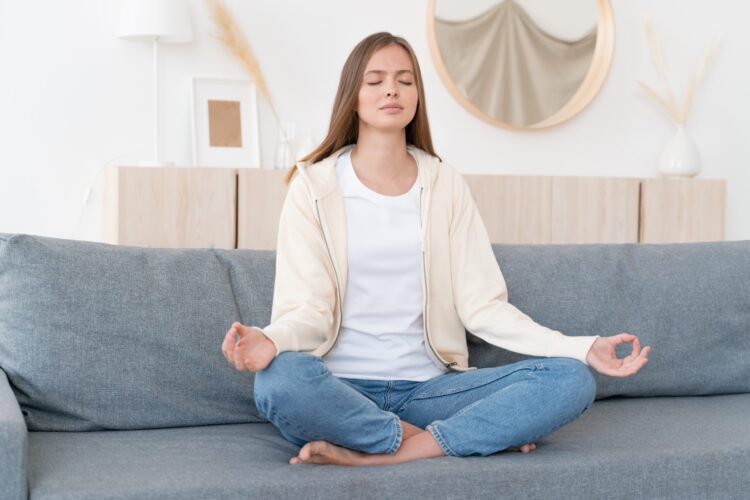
[
  {"x": 562, "y": 210},
  {"x": 682, "y": 210},
  {"x": 261, "y": 196},
  {"x": 170, "y": 207}
]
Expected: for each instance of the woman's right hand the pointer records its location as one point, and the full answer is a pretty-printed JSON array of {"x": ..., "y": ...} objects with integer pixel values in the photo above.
[{"x": 253, "y": 352}]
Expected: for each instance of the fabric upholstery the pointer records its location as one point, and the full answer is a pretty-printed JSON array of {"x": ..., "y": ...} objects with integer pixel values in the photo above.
[
  {"x": 13, "y": 444},
  {"x": 669, "y": 448},
  {"x": 689, "y": 301},
  {"x": 98, "y": 336}
]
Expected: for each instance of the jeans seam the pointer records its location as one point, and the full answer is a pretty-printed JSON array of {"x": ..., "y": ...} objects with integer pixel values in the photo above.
[
  {"x": 399, "y": 435},
  {"x": 469, "y": 407},
  {"x": 440, "y": 440},
  {"x": 387, "y": 397},
  {"x": 426, "y": 395}
]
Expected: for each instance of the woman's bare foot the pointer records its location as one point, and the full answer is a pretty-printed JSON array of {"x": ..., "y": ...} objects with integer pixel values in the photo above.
[
  {"x": 323, "y": 452},
  {"x": 527, "y": 448}
]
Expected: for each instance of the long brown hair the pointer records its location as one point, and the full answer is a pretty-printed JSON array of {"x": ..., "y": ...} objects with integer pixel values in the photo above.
[{"x": 344, "y": 126}]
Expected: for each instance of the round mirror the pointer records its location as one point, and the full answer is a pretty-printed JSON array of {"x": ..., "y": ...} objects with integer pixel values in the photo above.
[{"x": 522, "y": 64}]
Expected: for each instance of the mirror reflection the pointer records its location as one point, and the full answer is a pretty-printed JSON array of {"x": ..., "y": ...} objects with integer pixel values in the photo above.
[{"x": 519, "y": 61}]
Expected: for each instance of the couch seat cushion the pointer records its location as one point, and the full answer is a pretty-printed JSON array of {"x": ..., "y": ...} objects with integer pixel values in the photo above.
[{"x": 665, "y": 447}]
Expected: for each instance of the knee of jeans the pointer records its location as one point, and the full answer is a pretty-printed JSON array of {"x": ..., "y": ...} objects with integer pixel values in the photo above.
[
  {"x": 579, "y": 378},
  {"x": 287, "y": 370},
  {"x": 585, "y": 383}
]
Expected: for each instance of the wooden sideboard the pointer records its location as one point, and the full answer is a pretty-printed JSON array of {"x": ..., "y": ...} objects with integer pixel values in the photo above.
[
  {"x": 239, "y": 208},
  {"x": 682, "y": 210}
]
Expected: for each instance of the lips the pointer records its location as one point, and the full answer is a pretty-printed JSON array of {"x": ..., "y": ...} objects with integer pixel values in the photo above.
[{"x": 392, "y": 106}]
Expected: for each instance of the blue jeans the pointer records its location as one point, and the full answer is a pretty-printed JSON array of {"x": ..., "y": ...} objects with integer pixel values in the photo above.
[{"x": 479, "y": 412}]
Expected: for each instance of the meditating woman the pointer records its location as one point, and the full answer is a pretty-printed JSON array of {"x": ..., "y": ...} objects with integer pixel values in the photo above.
[{"x": 382, "y": 265}]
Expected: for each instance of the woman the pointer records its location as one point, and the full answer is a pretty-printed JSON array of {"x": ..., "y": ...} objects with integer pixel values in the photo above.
[{"x": 382, "y": 265}]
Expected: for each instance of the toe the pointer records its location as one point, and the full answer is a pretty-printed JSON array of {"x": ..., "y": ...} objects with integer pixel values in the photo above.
[{"x": 304, "y": 452}]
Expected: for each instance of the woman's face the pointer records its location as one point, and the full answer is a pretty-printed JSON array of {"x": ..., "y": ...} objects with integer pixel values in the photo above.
[{"x": 388, "y": 80}]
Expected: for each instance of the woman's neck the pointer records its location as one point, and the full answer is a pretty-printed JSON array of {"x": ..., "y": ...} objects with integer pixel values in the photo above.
[{"x": 382, "y": 156}]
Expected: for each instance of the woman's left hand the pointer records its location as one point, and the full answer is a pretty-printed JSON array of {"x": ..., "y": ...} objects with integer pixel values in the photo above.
[{"x": 602, "y": 357}]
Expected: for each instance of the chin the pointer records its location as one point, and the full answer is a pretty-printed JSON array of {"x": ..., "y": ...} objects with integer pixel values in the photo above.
[
  {"x": 392, "y": 126},
  {"x": 389, "y": 125},
  {"x": 387, "y": 122}
]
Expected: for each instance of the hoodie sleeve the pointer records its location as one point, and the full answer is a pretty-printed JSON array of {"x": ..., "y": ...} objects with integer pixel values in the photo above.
[
  {"x": 304, "y": 288},
  {"x": 480, "y": 294}
]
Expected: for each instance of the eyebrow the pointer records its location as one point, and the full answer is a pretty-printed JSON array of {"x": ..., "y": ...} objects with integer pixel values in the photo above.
[{"x": 397, "y": 72}]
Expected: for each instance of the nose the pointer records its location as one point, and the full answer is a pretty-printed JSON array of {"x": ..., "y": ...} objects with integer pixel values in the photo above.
[{"x": 391, "y": 93}]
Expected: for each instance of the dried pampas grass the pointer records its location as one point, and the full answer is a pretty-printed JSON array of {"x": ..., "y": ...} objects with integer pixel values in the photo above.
[
  {"x": 231, "y": 36},
  {"x": 677, "y": 112}
]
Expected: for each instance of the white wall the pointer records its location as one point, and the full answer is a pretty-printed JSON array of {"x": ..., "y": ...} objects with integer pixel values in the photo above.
[{"x": 74, "y": 98}]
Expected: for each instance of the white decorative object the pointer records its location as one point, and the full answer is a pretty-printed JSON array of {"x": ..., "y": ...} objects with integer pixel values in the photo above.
[
  {"x": 307, "y": 146},
  {"x": 284, "y": 154},
  {"x": 166, "y": 21},
  {"x": 680, "y": 157},
  {"x": 224, "y": 114}
]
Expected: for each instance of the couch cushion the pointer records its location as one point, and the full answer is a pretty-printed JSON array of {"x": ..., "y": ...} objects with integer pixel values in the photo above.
[
  {"x": 685, "y": 447},
  {"x": 689, "y": 301},
  {"x": 98, "y": 336}
]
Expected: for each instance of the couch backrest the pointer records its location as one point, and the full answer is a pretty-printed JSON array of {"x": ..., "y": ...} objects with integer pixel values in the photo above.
[
  {"x": 689, "y": 301},
  {"x": 98, "y": 336}
]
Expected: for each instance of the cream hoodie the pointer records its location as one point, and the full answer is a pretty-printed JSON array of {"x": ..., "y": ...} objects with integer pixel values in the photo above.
[{"x": 463, "y": 286}]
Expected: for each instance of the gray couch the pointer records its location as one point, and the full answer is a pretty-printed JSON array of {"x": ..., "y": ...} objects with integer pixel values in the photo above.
[{"x": 113, "y": 385}]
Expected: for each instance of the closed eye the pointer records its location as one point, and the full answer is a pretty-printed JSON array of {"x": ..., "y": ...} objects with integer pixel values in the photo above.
[{"x": 376, "y": 83}]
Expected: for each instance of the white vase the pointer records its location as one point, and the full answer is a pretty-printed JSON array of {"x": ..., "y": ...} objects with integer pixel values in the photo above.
[{"x": 680, "y": 157}]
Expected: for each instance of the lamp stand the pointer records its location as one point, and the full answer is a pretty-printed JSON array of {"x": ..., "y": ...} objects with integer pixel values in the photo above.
[{"x": 157, "y": 160}]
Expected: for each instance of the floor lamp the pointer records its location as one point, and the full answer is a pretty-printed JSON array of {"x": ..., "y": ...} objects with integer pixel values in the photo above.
[{"x": 155, "y": 21}]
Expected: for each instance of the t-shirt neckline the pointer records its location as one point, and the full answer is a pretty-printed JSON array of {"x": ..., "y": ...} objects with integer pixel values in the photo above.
[{"x": 358, "y": 181}]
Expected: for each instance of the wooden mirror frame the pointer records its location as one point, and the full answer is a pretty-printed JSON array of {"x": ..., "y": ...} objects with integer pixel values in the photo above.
[{"x": 590, "y": 86}]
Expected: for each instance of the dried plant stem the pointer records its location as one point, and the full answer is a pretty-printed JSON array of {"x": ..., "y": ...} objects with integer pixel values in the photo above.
[
  {"x": 233, "y": 40},
  {"x": 657, "y": 55},
  {"x": 697, "y": 78},
  {"x": 671, "y": 111},
  {"x": 678, "y": 113}
]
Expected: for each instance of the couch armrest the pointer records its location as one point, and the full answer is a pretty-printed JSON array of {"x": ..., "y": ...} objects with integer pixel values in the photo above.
[{"x": 13, "y": 445}]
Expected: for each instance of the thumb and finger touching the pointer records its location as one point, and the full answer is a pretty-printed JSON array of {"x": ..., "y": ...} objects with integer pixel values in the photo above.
[{"x": 631, "y": 363}]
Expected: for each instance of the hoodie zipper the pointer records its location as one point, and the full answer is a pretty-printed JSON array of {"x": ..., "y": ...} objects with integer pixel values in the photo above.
[
  {"x": 335, "y": 274},
  {"x": 424, "y": 283}
]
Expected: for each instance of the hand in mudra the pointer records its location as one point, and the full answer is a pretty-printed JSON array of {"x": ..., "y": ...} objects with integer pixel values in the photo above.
[
  {"x": 602, "y": 357},
  {"x": 253, "y": 352}
]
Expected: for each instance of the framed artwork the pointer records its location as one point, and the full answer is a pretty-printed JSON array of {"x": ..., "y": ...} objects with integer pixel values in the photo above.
[{"x": 224, "y": 114}]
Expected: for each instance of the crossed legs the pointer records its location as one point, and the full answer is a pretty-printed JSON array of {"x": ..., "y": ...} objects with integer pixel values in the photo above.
[{"x": 334, "y": 423}]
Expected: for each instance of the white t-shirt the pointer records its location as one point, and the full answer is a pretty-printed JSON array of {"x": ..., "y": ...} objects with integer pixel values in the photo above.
[{"x": 382, "y": 333}]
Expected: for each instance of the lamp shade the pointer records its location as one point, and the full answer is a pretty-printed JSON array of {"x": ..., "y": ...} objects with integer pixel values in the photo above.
[{"x": 163, "y": 20}]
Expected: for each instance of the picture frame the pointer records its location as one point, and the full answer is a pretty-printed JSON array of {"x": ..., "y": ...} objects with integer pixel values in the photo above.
[{"x": 225, "y": 124}]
